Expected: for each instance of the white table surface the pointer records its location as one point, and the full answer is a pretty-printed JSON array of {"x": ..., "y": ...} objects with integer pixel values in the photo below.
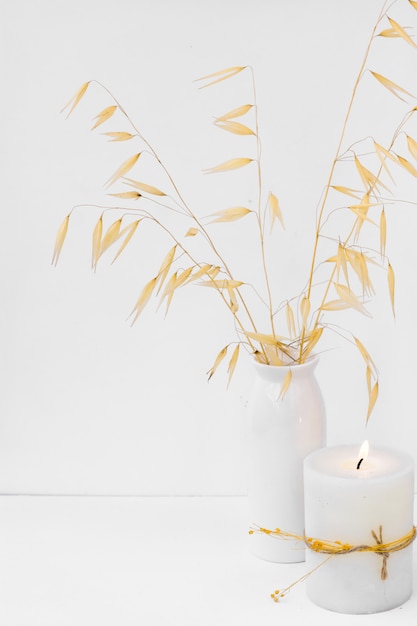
[{"x": 124, "y": 561}]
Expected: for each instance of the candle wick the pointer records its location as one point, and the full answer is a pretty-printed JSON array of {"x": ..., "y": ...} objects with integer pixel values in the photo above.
[{"x": 359, "y": 464}]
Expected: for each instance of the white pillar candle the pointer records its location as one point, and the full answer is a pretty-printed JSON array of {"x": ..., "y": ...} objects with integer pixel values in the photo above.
[{"x": 343, "y": 503}]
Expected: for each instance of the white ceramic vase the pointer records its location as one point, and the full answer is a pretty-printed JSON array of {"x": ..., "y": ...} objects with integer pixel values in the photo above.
[{"x": 282, "y": 432}]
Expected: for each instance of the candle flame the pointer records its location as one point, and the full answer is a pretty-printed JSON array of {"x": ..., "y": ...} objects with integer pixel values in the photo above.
[{"x": 363, "y": 452}]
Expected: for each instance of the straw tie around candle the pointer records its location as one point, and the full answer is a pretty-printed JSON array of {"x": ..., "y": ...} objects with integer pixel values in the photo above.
[
  {"x": 384, "y": 549},
  {"x": 334, "y": 548}
]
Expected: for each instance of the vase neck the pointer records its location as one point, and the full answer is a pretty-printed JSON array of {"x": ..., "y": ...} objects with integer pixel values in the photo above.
[{"x": 275, "y": 373}]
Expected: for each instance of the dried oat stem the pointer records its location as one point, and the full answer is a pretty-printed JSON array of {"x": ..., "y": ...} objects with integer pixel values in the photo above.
[
  {"x": 261, "y": 222},
  {"x": 396, "y": 133},
  {"x": 329, "y": 182},
  {"x": 190, "y": 213}
]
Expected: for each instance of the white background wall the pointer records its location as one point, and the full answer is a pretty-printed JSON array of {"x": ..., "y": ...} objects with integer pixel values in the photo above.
[{"x": 89, "y": 404}]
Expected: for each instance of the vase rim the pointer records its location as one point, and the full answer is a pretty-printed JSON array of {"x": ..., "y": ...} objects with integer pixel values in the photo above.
[{"x": 311, "y": 361}]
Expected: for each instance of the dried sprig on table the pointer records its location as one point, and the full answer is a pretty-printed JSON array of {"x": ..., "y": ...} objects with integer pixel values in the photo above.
[{"x": 305, "y": 315}]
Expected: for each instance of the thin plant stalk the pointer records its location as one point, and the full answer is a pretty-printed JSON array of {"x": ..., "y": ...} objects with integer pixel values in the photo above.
[{"x": 328, "y": 185}]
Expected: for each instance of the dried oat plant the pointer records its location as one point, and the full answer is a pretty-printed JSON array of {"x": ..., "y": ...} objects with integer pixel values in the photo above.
[{"x": 296, "y": 323}]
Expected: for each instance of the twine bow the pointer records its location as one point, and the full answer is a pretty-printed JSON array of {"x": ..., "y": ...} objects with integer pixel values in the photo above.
[
  {"x": 333, "y": 548},
  {"x": 381, "y": 548}
]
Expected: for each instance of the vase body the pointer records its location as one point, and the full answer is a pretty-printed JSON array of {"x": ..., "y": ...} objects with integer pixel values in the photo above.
[{"x": 283, "y": 430}]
